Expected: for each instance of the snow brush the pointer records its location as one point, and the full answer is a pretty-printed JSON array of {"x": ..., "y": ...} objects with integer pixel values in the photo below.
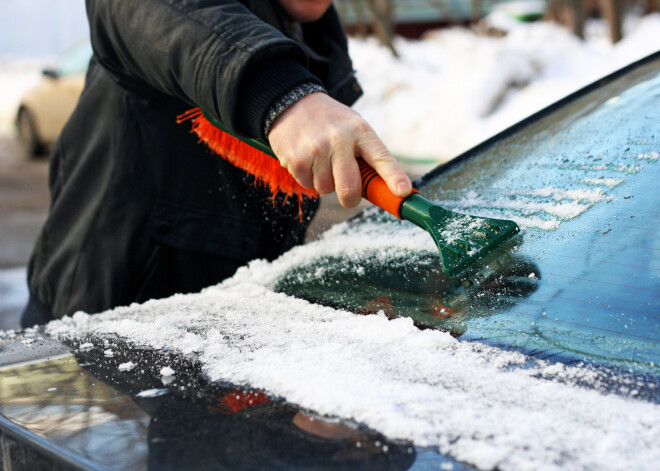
[{"x": 461, "y": 239}]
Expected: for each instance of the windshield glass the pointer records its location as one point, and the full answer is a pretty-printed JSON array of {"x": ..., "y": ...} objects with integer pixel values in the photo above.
[
  {"x": 581, "y": 283},
  {"x": 75, "y": 60}
]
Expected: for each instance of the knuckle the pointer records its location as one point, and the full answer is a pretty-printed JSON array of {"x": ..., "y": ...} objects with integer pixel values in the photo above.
[
  {"x": 324, "y": 187},
  {"x": 336, "y": 135},
  {"x": 317, "y": 150},
  {"x": 298, "y": 167},
  {"x": 361, "y": 126},
  {"x": 347, "y": 191},
  {"x": 348, "y": 132},
  {"x": 382, "y": 156}
]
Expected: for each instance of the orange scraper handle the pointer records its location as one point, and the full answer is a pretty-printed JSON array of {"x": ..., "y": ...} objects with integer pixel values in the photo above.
[{"x": 377, "y": 192}]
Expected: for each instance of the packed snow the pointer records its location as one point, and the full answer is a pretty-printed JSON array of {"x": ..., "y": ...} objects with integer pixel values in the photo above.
[
  {"x": 476, "y": 403},
  {"x": 128, "y": 366}
]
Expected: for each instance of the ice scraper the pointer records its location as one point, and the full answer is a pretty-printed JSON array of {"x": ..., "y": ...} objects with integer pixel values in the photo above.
[{"x": 461, "y": 239}]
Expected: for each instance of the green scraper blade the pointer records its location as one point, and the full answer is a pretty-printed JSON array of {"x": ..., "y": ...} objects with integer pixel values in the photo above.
[{"x": 461, "y": 239}]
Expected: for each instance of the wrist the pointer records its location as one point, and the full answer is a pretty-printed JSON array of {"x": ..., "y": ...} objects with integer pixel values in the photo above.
[
  {"x": 263, "y": 84},
  {"x": 287, "y": 100}
]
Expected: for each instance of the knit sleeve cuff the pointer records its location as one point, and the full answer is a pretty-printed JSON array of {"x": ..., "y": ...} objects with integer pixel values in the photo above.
[
  {"x": 288, "y": 99},
  {"x": 263, "y": 84}
]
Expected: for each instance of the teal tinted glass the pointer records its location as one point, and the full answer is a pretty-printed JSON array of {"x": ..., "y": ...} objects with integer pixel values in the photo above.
[
  {"x": 582, "y": 282},
  {"x": 75, "y": 60}
]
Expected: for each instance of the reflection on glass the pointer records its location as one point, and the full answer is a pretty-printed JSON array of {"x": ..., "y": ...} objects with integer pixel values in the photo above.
[
  {"x": 247, "y": 431},
  {"x": 58, "y": 400},
  {"x": 206, "y": 427},
  {"x": 414, "y": 286}
]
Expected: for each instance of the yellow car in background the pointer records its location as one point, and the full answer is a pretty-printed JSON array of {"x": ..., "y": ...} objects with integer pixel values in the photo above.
[{"x": 44, "y": 109}]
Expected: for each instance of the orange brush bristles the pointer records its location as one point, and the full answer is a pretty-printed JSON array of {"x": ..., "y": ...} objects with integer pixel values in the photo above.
[{"x": 265, "y": 169}]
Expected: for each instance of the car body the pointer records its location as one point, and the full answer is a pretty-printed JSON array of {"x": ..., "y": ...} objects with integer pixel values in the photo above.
[
  {"x": 312, "y": 361},
  {"x": 44, "y": 109}
]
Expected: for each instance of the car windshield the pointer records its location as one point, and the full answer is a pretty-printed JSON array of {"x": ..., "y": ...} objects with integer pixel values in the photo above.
[
  {"x": 582, "y": 282},
  {"x": 75, "y": 60}
]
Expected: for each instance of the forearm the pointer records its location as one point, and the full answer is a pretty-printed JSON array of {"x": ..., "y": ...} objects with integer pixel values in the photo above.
[{"x": 196, "y": 51}]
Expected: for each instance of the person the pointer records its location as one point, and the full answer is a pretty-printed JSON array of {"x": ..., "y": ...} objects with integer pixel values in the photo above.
[{"x": 140, "y": 209}]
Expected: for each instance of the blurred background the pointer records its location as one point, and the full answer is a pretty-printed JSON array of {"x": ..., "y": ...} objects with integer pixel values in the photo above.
[{"x": 439, "y": 76}]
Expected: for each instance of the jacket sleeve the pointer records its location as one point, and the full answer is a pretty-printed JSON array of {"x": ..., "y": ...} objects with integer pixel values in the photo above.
[{"x": 196, "y": 50}]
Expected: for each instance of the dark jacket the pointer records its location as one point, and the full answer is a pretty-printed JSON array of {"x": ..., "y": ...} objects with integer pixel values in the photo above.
[{"x": 139, "y": 208}]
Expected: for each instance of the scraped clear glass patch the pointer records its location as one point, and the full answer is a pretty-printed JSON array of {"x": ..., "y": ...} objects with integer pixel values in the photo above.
[{"x": 582, "y": 283}]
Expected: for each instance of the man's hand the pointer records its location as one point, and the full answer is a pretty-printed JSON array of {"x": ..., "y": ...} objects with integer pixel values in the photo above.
[{"x": 318, "y": 139}]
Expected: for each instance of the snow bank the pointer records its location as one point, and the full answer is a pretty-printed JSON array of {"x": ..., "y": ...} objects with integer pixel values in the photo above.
[{"x": 454, "y": 89}]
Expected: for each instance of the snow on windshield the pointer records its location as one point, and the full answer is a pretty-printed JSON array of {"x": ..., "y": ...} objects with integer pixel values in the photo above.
[
  {"x": 476, "y": 403},
  {"x": 564, "y": 166}
]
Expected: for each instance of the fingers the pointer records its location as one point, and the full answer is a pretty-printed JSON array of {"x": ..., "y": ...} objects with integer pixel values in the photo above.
[
  {"x": 346, "y": 172},
  {"x": 300, "y": 170},
  {"x": 318, "y": 139},
  {"x": 310, "y": 166},
  {"x": 324, "y": 181},
  {"x": 374, "y": 152}
]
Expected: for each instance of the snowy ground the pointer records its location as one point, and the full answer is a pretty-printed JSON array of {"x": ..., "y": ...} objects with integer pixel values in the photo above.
[{"x": 454, "y": 89}]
